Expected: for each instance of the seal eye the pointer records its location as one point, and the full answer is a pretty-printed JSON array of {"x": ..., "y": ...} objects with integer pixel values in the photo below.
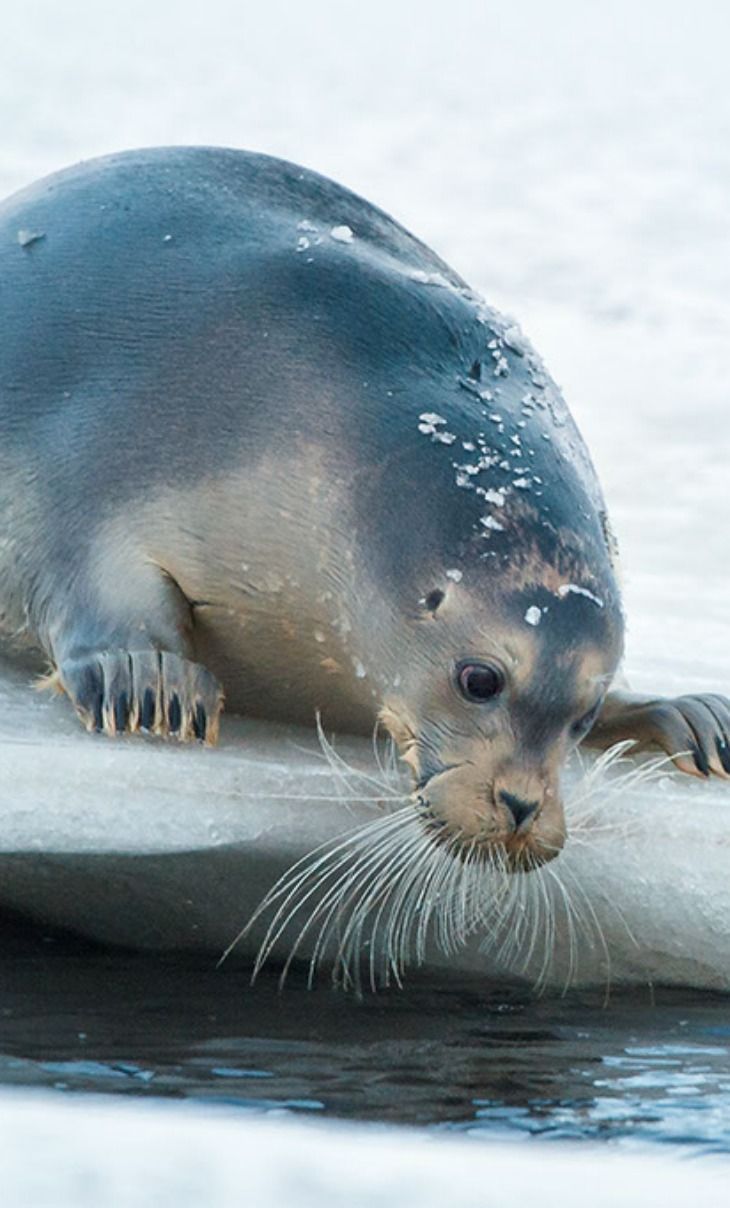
[{"x": 479, "y": 681}]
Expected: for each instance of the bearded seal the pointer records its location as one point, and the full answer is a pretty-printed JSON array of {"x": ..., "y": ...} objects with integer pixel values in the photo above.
[{"x": 257, "y": 439}]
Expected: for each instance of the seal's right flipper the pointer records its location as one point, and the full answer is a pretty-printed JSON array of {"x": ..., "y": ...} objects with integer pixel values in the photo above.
[{"x": 156, "y": 692}]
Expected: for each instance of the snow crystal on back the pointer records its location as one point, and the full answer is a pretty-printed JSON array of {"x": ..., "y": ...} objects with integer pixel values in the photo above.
[
  {"x": 494, "y": 495},
  {"x": 343, "y": 234},
  {"x": 514, "y": 339},
  {"x": 430, "y": 279},
  {"x": 568, "y": 588}
]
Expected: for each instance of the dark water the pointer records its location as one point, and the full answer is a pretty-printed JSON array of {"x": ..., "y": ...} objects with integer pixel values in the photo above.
[{"x": 451, "y": 1056}]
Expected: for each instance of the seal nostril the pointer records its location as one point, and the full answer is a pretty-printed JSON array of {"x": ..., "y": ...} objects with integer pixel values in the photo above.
[{"x": 520, "y": 810}]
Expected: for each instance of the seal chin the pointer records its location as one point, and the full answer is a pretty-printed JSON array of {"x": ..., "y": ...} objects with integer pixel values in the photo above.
[{"x": 528, "y": 856}]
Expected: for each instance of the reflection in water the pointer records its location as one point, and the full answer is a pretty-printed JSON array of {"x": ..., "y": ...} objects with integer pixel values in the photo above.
[{"x": 453, "y": 1056}]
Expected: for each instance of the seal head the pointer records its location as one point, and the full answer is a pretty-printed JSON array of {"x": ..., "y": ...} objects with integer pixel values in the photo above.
[{"x": 505, "y": 675}]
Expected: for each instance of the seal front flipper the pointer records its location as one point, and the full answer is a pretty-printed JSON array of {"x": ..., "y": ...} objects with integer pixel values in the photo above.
[
  {"x": 152, "y": 691},
  {"x": 124, "y": 657},
  {"x": 693, "y": 730}
]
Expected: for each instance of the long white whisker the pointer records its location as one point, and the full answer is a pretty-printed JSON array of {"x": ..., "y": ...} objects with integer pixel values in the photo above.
[
  {"x": 332, "y": 897},
  {"x": 328, "y": 857},
  {"x": 382, "y": 875}
]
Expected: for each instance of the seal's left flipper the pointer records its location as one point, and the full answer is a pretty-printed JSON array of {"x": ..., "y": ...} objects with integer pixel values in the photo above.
[{"x": 693, "y": 730}]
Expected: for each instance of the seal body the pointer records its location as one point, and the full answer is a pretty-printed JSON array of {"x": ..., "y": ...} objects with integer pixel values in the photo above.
[{"x": 256, "y": 438}]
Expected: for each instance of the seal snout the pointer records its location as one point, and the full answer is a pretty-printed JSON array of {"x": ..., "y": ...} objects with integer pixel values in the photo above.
[
  {"x": 514, "y": 817},
  {"x": 522, "y": 811}
]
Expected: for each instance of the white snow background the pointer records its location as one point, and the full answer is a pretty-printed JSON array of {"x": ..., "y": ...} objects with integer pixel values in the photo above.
[{"x": 571, "y": 160}]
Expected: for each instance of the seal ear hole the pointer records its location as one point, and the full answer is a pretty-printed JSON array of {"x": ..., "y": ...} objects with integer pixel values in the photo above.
[
  {"x": 434, "y": 599},
  {"x": 475, "y": 371}
]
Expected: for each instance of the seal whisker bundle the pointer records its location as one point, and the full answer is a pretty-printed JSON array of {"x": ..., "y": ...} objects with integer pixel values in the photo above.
[
  {"x": 381, "y": 893},
  {"x": 348, "y": 903},
  {"x": 541, "y": 927},
  {"x": 348, "y": 883},
  {"x": 312, "y": 878},
  {"x": 590, "y": 924},
  {"x": 299, "y": 874},
  {"x": 387, "y": 780},
  {"x": 392, "y": 890},
  {"x": 569, "y": 910}
]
